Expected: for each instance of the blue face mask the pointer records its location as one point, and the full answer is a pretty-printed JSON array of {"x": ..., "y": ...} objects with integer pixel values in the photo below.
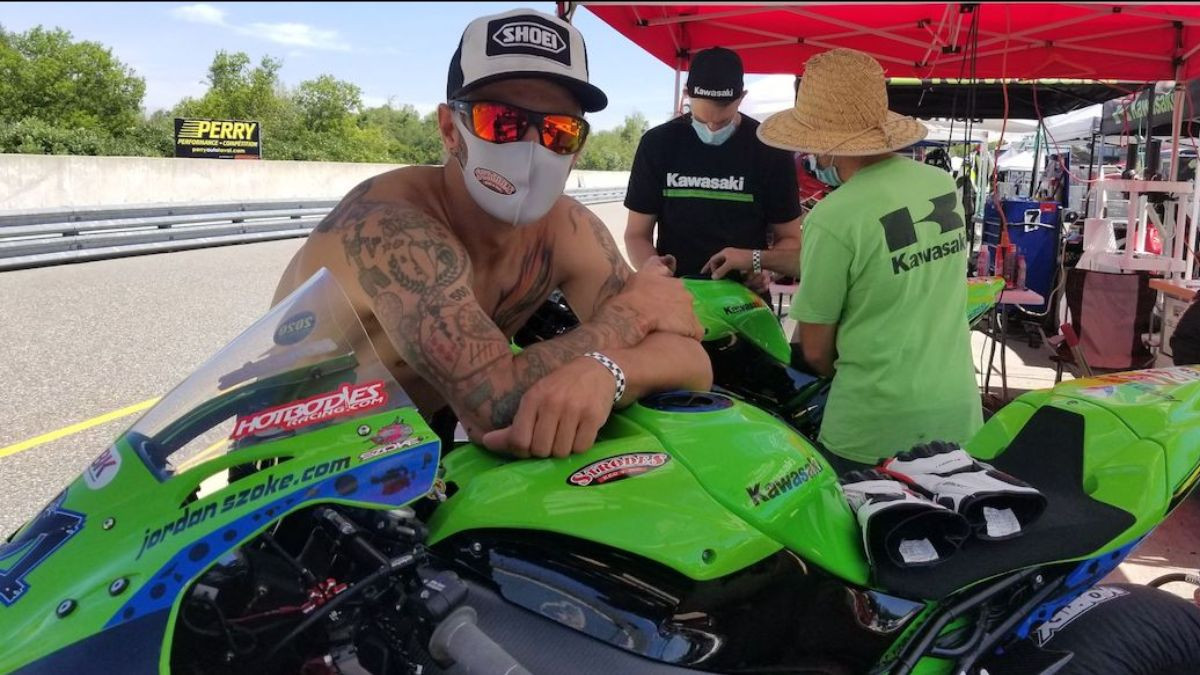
[
  {"x": 828, "y": 175},
  {"x": 713, "y": 137}
]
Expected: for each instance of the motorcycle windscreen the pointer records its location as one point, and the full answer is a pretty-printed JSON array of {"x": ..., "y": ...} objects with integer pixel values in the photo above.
[{"x": 305, "y": 365}]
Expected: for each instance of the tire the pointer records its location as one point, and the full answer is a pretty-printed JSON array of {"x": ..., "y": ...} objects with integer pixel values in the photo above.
[{"x": 1125, "y": 629}]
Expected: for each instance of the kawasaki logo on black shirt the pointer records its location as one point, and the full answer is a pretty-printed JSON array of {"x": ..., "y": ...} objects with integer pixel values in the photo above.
[
  {"x": 727, "y": 189},
  {"x": 732, "y": 183}
]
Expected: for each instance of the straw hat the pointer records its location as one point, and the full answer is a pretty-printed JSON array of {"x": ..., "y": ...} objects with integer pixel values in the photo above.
[{"x": 841, "y": 109}]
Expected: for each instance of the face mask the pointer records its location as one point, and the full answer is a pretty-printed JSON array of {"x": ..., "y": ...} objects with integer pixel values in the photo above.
[
  {"x": 516, "y": 183},
  {"x": 709, "y": 137},
  {"x": 828, "y": 175}
]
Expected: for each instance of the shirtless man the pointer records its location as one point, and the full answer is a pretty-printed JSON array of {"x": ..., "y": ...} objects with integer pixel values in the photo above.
[{"x": 444, "y": 264}]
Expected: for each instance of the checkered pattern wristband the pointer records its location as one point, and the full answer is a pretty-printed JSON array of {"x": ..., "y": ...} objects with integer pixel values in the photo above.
[
  {"x": 756, "y": 261},
  {"x": 617, "y": 373}
]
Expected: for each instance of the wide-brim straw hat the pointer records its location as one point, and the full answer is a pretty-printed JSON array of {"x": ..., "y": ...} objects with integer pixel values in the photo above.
[{"x": 841, "y": 109}]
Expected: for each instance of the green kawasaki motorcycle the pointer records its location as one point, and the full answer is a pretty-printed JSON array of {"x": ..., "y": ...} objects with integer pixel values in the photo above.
[{"x": 287, "y": 510}]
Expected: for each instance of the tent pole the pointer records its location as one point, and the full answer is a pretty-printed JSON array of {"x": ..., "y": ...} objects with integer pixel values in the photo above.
[
  {"x": 1087, "y": 195},
  {"x": 678, "y": 96},
  {"x": 1037, "y": 139},
  {"x": 1091, "y": 158},
  {"x": 1149, "y": 120},
  {"x": 1176, "y": 124}
]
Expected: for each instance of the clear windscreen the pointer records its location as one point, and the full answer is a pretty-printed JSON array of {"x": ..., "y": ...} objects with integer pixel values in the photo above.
[{"x": 306, "y": 364}]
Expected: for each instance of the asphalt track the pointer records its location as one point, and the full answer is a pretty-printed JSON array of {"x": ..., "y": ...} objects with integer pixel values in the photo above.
[{"x": 83, "y": 341}]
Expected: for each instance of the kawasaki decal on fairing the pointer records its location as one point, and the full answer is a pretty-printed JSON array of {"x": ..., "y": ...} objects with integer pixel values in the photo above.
[
  {"x": 1093, "y": 598},
  {"x": 102, "y": 471},
  {"x": 267, "y": 488},
  {"x": 738, "y": 309},
  {"x": 618, "y": 467},
  {"x": 21, "y": 556},
  {"x": 761, "y": 494},
  {"x": 348, "y": 399}
]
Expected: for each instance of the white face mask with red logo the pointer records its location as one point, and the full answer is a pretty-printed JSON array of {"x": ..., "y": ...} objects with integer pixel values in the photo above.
[{"x": 516, "y": 183}]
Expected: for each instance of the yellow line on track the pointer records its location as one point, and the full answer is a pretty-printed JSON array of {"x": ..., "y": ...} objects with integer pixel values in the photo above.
[{"x": 76, "y": 428}]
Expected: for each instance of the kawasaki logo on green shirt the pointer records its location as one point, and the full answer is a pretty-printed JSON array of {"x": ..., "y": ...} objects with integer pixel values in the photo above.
[
  {"x": 901, "y": 233},
  {"x": 905, "y": 262}
]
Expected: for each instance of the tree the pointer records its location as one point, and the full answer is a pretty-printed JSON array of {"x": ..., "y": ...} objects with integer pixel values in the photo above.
[
  {"x": 237, "y": 91},
  {"x": 613, "y": 150},
  {"x": 45, "y": 75},
  {"x": 327, "y": 104},
  {"x": 411, "y": 139}
]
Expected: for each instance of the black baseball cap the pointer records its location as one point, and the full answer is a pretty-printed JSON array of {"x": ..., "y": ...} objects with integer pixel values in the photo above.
[
  {"x": 715, "y": 74},
  {"x": 523, "y": 43}
]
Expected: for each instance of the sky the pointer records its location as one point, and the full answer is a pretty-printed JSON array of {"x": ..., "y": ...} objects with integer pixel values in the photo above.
[{"x": 392, "y": 51}]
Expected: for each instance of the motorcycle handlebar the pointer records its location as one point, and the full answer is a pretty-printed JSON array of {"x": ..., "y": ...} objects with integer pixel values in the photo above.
[{"x": 458, "y": 640}]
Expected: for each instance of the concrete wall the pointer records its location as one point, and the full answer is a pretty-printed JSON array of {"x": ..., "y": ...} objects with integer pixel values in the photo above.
[{"x": 55, "y": 181}]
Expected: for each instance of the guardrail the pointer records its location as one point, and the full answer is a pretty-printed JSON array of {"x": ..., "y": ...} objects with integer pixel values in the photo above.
[{"x": 57, "y": 236}]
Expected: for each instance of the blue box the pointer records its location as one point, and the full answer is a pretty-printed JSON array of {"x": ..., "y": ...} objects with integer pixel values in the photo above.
[{"x": 1033, "y": 227}]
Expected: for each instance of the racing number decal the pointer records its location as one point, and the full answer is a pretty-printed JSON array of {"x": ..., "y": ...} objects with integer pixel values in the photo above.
[
  {"x": 901, "y": 231},
  {"x": 21, "y": 556}
]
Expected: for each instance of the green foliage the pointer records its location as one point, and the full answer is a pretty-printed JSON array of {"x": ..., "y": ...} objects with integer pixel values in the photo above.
[
  {"x": 238, "y": 91},
  {"x": 410, "y": 138},
  {"x": 613, "y": 150},
  {"x": 46, "y": 76},
  {"x": 59, "y": 96},
  {"x": 34, "y": 136}
]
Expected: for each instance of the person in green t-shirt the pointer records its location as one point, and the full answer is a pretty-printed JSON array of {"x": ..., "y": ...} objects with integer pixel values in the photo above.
[{"x": 882, "y": 296}]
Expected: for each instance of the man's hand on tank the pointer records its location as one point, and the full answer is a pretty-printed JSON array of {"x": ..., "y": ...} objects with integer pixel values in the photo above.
[{"x": 560, "y": 414}]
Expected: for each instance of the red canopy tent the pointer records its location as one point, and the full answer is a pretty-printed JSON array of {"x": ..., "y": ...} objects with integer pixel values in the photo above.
[
  {"x": 1132, "y": 42},
  {"x": 1091, "y": 41}
]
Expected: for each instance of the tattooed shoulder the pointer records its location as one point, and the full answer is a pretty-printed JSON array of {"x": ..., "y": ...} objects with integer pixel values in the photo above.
[
  {"x": 398, "y": 247},
  {"x": 354, "y": 203}
]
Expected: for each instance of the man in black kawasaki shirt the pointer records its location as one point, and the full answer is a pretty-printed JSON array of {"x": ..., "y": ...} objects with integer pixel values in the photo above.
[{"x": 713, "y": 189}]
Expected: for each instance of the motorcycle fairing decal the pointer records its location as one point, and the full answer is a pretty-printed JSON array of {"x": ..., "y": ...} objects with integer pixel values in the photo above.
[
  {"x": 393, "y": 480},
  {"x": 1082, "y": 578},
  {"x": 347, "y": 399},
  {"x": 53, "y": 527},
  {"x": 1094, "y": 597},
  {"x": 618, "y": 467}
]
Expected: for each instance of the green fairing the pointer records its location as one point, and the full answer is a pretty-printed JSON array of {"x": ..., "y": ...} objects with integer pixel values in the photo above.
[
  {"x": 664, "y": 514},
  {"x": 139, "y": 506},
  {"x": 721, "y": 461},
  {"x": 981, "y": 296},
  {"x": 768, "y": 476},
  {"x": 1141, "y": 434},
  {"x": 728, "y": 308}
]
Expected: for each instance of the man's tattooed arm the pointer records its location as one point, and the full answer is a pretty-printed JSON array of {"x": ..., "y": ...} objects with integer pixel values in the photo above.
[
  {"x": 597, "y": 271},
  {"x": 419, "y": 279}
]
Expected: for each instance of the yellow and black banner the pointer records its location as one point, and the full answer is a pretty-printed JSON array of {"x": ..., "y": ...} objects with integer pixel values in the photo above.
[{"x": 217, "y": 139}]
